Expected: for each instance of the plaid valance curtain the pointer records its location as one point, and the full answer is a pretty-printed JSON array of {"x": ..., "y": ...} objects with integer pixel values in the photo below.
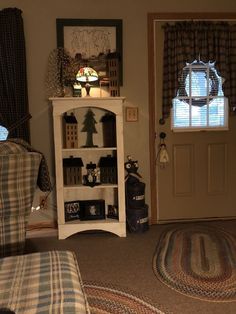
[
  {"x": 207, "y": 41},
  {"x": 14, "y": 111}
]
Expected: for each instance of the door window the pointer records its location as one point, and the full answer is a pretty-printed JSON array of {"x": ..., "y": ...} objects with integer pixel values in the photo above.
[{"x": 200, "y": 103}]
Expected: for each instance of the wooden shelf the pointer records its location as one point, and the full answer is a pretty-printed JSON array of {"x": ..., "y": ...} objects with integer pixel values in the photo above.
[
  {"x": 88, "y": 149},
  {"x": 111, "y": 193},
  {"x": 81, "y": 186}
]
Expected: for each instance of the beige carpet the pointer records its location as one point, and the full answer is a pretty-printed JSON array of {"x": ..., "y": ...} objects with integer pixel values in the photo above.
[{"x": 127, "y": 263}]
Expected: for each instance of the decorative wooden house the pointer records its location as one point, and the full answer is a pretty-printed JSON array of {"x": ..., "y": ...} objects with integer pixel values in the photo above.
[
  {"x": 90, "y": 178},
  {"x": 108, "y": 169},
  {"x": 109, "y": 129},
  {"x": 113, "y": 74},
  {"x": 70, "y": 131},
  {"x": 72, "y": 171}
]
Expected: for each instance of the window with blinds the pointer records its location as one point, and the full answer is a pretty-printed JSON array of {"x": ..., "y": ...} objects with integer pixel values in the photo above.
[{"x": 200, "y": 103}]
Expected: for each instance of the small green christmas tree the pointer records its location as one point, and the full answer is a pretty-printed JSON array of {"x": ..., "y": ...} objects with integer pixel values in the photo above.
[{"x": 89, "y": 127}]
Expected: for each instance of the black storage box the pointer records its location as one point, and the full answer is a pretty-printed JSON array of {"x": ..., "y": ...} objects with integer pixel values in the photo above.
[
  {"x": 135, "y": 193},
  {"x": 137, "y": 219}
]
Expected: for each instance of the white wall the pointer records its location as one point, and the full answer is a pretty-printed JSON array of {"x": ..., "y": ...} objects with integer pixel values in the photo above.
[{"x": 40, "y": 33}]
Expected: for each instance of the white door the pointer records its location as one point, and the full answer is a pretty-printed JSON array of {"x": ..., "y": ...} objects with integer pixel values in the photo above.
[{"x": 199, "y": 182}]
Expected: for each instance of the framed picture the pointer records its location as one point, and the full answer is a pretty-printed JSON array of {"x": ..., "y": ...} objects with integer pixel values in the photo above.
[
  {"x": 92, "y": 209},
  {"x": 131, "y": 114},
  {"x": 113, "y": 212},
  {"x": 91, "y": 41},
  {"x": 72, "y": 210}
]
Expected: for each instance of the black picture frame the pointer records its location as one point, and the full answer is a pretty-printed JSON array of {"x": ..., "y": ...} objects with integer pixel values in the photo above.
[
  {"x": 92, "y": 209},
  {"x": 108, "y": 28},
  {"x": 72, "y": 210},
  {"x": 113, "y": 212}
]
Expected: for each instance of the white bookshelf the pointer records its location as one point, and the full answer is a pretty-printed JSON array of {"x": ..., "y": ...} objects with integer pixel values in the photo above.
[{"x": 108, "y": 192}]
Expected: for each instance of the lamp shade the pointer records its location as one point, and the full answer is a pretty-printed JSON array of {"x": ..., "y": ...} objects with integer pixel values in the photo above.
[{"x": 86, "y": 74}]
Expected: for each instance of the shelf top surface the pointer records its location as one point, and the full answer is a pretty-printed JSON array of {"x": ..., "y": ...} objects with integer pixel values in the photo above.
[
  {"x": 99, "y": 186},
  {"x": 93, "y": 221},
  {"x": 88, "y": 148},
  {"x": 88, "y": 98},
  {"x": 63, "y": 104}
]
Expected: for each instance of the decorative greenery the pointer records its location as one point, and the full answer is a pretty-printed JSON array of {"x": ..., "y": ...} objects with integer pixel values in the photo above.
[{"x": 61, "y": 72}]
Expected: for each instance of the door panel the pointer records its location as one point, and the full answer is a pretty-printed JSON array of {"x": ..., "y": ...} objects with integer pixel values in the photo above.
[
  {"x": 200, "y": 180},
  {"x": 217, "y": 168},
  {"x": 183, "y": 173}
]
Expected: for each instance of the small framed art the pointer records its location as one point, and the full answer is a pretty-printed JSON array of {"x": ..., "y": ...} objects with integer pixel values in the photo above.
[
  {"x": 92, "y": 209},
  {"x": 131, "y": 114},
  {"x": 113, "y": 212},
  {"x": 72, "y": 210}
]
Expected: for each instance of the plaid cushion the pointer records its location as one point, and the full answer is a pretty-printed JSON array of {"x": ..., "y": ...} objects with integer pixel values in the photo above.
[
  {"x": 18, "y": 145},
  {"x": 12, "y": 235},
  {"x": 18, "y": 176},
  {"x": 7, "y": 147},
  {"x": 47, "y": 282}
]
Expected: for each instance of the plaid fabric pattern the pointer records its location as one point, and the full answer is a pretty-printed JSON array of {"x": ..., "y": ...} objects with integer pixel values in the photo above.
[
  {"x": 43, "y": 180},
  {"x": 11, "y": 148},
  {"x": 18, "y": 176},
  {"x": 47, "y": 282}
]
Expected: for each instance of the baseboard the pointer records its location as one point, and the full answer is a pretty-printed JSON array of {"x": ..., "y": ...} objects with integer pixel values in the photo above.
[
  {"x": 42, "y": 229},
  {"x": 195, "y": 219}
]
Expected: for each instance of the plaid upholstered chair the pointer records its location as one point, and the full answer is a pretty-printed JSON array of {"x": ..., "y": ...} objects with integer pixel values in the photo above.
[
  {"x": 18, "y": 179},
  {"x": 57, "y": 285}
]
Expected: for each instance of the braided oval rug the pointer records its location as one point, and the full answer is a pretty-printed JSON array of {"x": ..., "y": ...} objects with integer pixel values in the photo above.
[
  {"x": 198, "y": 261},
  {"x": 107, "y": 299}
]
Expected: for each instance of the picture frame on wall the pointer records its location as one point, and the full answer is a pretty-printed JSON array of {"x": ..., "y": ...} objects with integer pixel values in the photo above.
[
  {"x": 92, "y": 209},
  {"x": 92, "y": 41}
]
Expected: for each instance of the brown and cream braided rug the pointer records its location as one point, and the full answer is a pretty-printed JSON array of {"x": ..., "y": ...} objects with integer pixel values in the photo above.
[
  {"x": 106, "y": 299},
  {"x": 198, "y": 261}
]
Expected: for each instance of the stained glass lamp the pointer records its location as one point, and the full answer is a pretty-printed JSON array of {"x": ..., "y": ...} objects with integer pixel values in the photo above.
[{"x": 87, "y": 75}]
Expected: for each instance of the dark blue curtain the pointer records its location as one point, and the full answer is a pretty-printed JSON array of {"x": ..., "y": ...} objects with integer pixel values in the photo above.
[{"x": 14, "y": 110}]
